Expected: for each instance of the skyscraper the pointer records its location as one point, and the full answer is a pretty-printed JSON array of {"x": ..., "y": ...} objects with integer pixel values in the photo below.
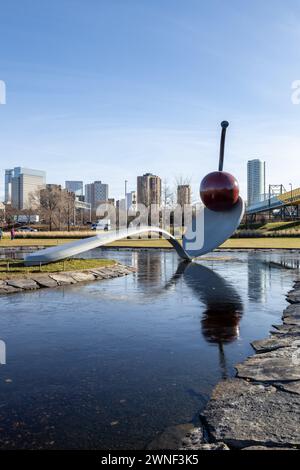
[
  {"x": 148, "y": 189},
  {"x": 183, "y": 194},
  {"x": 75, "y": 187},
  {"x": 96, "y": 193},
  {"x": 256, "y": 181},
  {"x": 7, "y": 185},
  {"x": 20, "y": 183}
]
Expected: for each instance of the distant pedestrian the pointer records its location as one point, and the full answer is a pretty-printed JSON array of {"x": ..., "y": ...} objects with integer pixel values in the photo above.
[
  {"x": 12, "y": 234},
  {"x": 1, "y": 233}
]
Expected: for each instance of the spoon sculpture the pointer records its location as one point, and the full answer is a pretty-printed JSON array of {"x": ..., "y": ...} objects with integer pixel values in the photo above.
[{"x": 214, "y": 222}]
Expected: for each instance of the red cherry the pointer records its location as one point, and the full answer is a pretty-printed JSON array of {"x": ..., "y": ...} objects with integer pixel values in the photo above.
[{"x": 219, "y": 191}]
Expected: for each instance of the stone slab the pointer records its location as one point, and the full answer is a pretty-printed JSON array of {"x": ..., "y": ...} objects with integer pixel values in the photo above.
[
  {"x": 280, "y": 365},
  {"x": 293, "y": 296},
  {"x": 291, "y": 315},
  {"x": 62, "y": 279},
  {"x": 286, "y": 330},
  {"x": 273, "y": 343},
  {"x": 24, "y": 284},
  {"x": 44, "y": 280},
  {"x": 242, "y": 414},
  {"x": 292, "y": 311},
  {"x": 291, "y": 321},
  {"x": 100, "y": 274},
  {"x": 9, "y": 290},
  {"x": 82, "y": 276}
]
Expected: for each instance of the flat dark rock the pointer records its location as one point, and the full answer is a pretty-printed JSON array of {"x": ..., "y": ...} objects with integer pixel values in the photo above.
[
  {"x": 286, "y": 330},
  {"x": 273, "y": 343},
  {"x": 242, "y": 414},
  {"x": 292, "y": 311},
  {"x": 291, "y": 315},
  {"x": 272, "y": 366},
  {"x": 292, "y": 320},
  {"x": 293, "y": 296},
  {"x": 24, "y": 284}
]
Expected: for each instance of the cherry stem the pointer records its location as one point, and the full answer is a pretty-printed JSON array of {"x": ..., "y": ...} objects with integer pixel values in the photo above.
[{"x": 224, "y": 125}]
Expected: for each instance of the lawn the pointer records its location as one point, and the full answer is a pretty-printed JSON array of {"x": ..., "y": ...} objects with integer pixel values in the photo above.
[
  {"x": 276, "y": 226},
  {"x": 6, "y": 242},
  {"x": 251, "y": 243},
  {"x": 9, "y": 268}
]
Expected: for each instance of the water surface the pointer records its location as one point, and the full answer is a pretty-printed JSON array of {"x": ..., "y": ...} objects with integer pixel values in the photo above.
[{"x": 110, "y": 364}]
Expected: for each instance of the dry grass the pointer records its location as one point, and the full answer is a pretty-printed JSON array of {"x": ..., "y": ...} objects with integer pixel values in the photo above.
[
  {"x": 34, "y": 242},
  {"x": 16, "y": 268},
  {"x": 251, "y": 243}
]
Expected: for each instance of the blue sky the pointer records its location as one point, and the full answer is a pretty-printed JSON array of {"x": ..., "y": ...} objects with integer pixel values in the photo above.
[{"x": 108, "y": 89}]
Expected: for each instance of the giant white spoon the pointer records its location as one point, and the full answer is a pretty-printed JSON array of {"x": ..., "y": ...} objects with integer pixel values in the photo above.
[{"x": 210, "y": 227}]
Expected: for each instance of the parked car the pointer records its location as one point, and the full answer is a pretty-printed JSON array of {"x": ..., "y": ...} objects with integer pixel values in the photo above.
[
  {"x": 26, "y": 229},
  {"x": 104, "y": 227}
]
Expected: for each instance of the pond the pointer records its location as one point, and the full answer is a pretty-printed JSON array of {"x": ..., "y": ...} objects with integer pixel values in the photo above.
[{"x": 111, "y": 364}]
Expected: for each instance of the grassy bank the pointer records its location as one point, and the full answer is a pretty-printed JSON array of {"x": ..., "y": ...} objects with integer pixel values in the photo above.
[
  {"x": 257, "y": 243},
  {"x": 251, "y": 243},
  {"x": 6, "y": 242},
  {"x": 9, "y": 268}
]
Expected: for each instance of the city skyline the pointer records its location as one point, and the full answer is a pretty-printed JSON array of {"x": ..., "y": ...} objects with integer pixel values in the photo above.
[
  {"x": 83, "y": 109},
  {"x": 98, "y": 192}
]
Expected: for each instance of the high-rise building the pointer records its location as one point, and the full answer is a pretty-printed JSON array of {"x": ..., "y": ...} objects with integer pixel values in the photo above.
[
  {"x": 184, "y": 194},
  {"x": 256, "y": 181},
  {"x": 148, "y": 189},
  {"x": 20, "y": 183},
  {"x": 7, "y": 185},
  {"x": 131, "y": 200},
  {"x": 75, "y": 187},
  {"x": 96, "y": 193}
]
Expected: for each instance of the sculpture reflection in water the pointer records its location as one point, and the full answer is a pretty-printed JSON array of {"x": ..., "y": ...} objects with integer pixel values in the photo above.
[{"x": 224, "y": 306}]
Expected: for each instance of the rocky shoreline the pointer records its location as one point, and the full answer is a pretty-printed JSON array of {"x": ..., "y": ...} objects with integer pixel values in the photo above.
[
  {"x": 34, "y": 281},
  {"x": 259, "y": 409}
]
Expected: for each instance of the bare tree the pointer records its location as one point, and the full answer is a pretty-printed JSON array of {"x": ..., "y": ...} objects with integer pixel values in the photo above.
[
  {"x": 167, "y": 194},
  {"x": 50, "y": 205},
  {"x": 68, "y": 207}
]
